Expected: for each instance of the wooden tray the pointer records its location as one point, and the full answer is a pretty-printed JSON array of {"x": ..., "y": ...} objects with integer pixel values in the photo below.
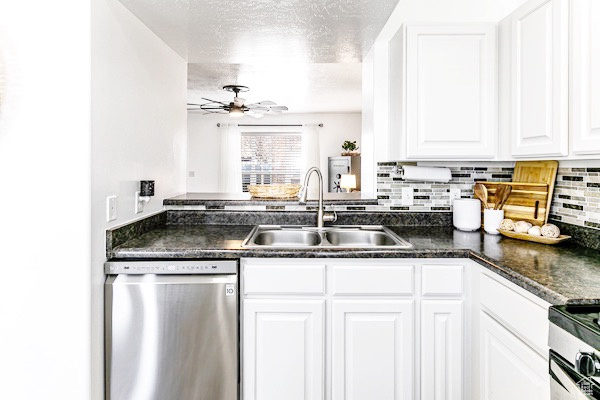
[{"x": 531, "y": 238}]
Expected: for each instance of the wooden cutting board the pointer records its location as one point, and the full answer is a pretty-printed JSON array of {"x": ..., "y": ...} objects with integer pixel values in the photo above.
[
  {"x": 538, "y": 172},
  {"x": 531, "y": 196}
]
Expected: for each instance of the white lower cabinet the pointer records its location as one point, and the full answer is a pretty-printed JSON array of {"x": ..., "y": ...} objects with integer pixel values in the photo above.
[
  {"x": 283, "y": 349},
  {"x": 511, "y": 350},
  {"x": 509, "y": 368},
  {"x": 353, "y": 329},
  {"x": 442, "y": 349},
  {"x": 372, "y": 342},
  {"x": 389, "y": 329}
]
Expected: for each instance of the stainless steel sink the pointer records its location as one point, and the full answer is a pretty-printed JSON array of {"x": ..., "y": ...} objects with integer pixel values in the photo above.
[
  {"x": 352, "y": 237},
  {"x": 359, "y": 238},
  {"x": 287, "y": 237}
]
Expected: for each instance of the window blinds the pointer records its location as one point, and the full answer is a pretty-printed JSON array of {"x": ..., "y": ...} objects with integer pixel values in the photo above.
[{"x": 270, "y": 158}]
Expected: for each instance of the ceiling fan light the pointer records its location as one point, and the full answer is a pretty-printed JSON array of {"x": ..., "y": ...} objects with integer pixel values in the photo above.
[{"x": 236, "y": 112}]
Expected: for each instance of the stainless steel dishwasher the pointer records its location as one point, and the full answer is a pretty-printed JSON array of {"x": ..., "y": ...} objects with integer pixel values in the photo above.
[{"x": 171, "y": 330}]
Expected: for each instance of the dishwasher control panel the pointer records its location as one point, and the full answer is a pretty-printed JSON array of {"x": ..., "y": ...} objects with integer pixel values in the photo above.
[{"x": 171, "y": 267}]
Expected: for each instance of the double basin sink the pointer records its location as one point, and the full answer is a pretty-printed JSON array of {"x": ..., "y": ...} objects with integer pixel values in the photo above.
[{"x": 292, "y": 236}]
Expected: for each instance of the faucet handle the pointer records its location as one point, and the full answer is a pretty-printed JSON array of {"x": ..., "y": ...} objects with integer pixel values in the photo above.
[
  {"x": 330, "y": 216},
  {"x": 302, "y": 195}
]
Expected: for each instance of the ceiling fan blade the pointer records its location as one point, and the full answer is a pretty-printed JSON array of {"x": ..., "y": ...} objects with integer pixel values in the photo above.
[
  {"x": 267, "y": 103},
  {"x": 255, "y": 114},
  {"x": 193, "y": 107},
  {"x": 257, "y": 108},
  {"x": 214, "y": 101},
  {"x": 279, "y": 108}
]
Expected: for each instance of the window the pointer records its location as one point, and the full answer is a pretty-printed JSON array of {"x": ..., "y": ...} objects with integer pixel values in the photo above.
[{"x": 270, "y": 158}]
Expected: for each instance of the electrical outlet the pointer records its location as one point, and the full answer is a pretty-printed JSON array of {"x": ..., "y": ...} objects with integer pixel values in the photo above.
[
  {"x": 111, "y": 208},
  {"x": 139, "y": 205},
  {"x": 408, "y": 196},
  {"x": 454, "y": 194}
]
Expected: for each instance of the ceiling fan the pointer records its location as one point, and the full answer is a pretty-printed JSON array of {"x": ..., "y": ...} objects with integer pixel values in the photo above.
[{"x": 237, "y": 108}]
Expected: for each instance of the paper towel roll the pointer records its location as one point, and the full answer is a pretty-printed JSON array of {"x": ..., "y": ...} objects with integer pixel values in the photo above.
[{"x": 426, "y": 174}]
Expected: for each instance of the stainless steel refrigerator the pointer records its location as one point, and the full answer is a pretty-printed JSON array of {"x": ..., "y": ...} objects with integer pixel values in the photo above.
[{"x": 339, "y": 166}]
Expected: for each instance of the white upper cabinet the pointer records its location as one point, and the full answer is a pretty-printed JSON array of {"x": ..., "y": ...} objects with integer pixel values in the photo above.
[
  {"x": 539, "y": 79},
  {"x": 443, "y": 101},
  {"x": 585, "y": 76}
]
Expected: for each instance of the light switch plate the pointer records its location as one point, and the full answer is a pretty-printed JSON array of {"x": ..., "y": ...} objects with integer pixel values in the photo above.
[
  {"x": 408, "y": 196},
  {"x": 454, "y": 194},
  {"x": 111, "y": 208}
]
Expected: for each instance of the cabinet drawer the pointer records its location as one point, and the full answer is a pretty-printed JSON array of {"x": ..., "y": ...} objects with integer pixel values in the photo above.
[
  {"x": 526, "y": 318},
  {"x": 284, "y": 279},
  {"x": 373, "y": 280},
  {"x": 441, "y": 280}
]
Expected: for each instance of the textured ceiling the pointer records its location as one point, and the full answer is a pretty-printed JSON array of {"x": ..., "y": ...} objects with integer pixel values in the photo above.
[
  {"x": 301, "y": 87},
  {"x": 304, "y": 54},
  {"x": 259, "y": 31}
]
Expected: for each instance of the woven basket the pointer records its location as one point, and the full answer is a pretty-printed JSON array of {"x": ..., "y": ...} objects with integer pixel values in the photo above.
[{"x": 287, "y": 191}]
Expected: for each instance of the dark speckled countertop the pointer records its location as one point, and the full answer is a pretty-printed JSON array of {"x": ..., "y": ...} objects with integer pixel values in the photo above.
[{"x": 561, "y": 274}]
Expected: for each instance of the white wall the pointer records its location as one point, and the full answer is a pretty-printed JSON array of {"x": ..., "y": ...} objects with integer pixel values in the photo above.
[
  {"x": 204, "y": 142},
  {"x": 45, "y": 197},
  {"x": 139, "y": 91}
]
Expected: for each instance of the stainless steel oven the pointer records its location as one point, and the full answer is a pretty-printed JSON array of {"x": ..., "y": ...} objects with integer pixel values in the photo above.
[{"x": 574, "y": 352}]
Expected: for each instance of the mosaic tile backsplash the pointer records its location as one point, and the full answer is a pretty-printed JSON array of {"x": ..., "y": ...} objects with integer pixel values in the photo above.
[
  {"x": 431, "y": 196},
  {"x": 577, "y": 197}
]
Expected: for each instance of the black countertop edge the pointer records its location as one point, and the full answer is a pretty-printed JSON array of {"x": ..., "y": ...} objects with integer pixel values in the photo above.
[
  {"x": 169, "y": 254},
  {"x": 267, "y": 202},
  {"x": 244, "y": 199},
  {"x": 229, "y": 217},
  {"x": 520, "y": 280}
]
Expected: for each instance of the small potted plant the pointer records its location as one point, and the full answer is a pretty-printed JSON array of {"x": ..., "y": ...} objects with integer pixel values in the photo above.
[{"x": 350, "y": 148}]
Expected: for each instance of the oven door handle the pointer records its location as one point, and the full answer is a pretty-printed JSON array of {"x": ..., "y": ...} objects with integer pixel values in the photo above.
[{"x": 558, "y": 373}]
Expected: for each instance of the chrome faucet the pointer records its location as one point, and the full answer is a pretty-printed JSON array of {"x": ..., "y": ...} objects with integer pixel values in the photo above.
[{"x": 322, "y": 216}]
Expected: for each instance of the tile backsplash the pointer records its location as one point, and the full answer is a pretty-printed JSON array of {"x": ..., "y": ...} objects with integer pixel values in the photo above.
[
  {"x": 433, "y": 196},
  {"x": 577, "y": 197}
]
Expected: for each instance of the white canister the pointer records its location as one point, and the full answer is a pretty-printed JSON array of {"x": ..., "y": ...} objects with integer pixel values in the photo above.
[
  {"x": 491, "y": 220},
  {"x": 466, "y": 214}
]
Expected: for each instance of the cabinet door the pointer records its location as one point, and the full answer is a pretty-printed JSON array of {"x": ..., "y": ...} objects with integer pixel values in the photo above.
[
  {"x": 539, "y": 82},
  {"x": 451, "y": 93},
  {"x": 442, "y": 349},
  {"x": 372, "y": 344},
  {"x": 283, "y": 349},
  {"x": 509, "y": 368},
  {"x": 585, "y": 76}
]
